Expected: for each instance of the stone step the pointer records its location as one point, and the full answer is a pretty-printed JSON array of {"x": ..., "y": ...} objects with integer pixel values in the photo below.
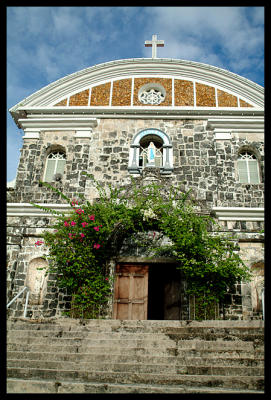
[
  {"x": 152, "y": 326},
  {"x": 96, "y": 366},
  {"x": 45, "y": 386},
  {"x": 183, "y": 359},
  {"x": 172, "y": 349},
  {"x": 134, "y": 342},
  {"x": 238, "y": 382},
  {"x": 185, "y": 334},
  {"x": 136, "y": 367}
]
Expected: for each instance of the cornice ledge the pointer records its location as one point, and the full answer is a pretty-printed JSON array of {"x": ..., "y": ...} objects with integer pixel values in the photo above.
[
  {"x": 239, "y": 213},
  {"x": 28, "y": 210},
  {"x": 58, "y": 122}
]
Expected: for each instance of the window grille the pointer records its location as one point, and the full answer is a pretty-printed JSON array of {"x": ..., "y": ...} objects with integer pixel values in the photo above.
[
  {"x": 151, "y": 96},
  {"x": 55, "y": 164},
  {"x": 248, "y": 168}
]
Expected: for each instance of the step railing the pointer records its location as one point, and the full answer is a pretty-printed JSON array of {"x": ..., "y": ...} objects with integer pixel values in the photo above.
[{"x": 26, "y": 300}]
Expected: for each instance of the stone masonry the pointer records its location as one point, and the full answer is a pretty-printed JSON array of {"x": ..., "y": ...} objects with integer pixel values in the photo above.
[{"x": 201, "y": 162}]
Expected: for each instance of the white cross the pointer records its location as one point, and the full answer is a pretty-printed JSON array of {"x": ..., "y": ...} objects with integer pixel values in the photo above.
[{"x": 154, "y": 43}]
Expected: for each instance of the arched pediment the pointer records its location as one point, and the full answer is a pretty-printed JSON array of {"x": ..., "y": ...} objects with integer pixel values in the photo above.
[{"x": 117, "y": 84}]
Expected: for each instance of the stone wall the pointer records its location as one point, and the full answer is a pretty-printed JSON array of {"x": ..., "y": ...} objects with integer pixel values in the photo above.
[{"x": 201, "y": 163}]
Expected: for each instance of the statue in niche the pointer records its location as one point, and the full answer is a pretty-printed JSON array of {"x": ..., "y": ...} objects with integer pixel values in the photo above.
[{"x": 151, "y": 154}]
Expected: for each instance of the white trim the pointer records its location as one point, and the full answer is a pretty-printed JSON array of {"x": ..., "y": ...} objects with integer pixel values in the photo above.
[
  {"x": 83, "y": 134},
  {"x": 223, "y": 213},
  {"x": 30, "y": 134},
  {"x": 66, "y": 122},
  {"x": 111, "y": 93},
  {"x": 89, "y": 98},
  {"x": 132, "y": 91},
  {"x": 27, "y": 210},
  {"x": 222, "y": 135},
  {"x": 243, "y": 123},
  {"x": 216, "y": 98},
  {"x": 173, "y": 92},
  {"x": 239, "y": 213}
]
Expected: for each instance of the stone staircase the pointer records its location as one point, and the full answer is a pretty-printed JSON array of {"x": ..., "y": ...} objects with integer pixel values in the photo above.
[{"x": 111, "y": 356}]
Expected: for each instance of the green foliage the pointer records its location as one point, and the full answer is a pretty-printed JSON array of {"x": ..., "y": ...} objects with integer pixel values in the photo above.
[{"x": 84, "y": 241}]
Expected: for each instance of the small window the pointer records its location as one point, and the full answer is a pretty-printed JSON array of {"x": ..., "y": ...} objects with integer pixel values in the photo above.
[
  {"x": 152, "y": 93},
  {"x": 248, "y": 168},
  {"x": 55, "y": 165}
]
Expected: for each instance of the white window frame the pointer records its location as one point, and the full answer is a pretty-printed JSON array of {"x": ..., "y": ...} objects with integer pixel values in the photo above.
[
  {"x": 248, "y": 157},
  {"x": 60, "y": 156}
]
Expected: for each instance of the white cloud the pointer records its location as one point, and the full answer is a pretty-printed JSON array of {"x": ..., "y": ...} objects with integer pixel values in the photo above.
[{"x": 221, "y": 36}]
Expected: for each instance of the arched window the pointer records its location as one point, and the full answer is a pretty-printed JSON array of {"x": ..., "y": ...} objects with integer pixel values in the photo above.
[
  {"x": 248, "y": 168},
  {"x": 55, "y": 164},
  {"x": 151, "y": 148}
]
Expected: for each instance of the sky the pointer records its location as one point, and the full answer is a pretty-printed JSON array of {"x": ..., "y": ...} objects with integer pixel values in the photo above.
[{"x": 45, "y": 44}]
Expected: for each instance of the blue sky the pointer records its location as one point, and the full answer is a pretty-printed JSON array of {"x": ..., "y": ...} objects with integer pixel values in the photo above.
[{"x": 47, "y": 43}]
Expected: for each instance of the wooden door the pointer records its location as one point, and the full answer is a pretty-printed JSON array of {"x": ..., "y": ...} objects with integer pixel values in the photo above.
[{"x": 131, "y": 292}]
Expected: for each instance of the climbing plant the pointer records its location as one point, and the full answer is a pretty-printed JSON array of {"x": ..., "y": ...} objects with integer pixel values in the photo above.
[{"x": 82, "y": 243}]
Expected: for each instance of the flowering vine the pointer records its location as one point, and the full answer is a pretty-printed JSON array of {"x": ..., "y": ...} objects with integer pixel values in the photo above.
[{"x": 83, "y": 242}]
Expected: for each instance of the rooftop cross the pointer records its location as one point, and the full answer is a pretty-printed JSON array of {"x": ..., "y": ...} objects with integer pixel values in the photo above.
[{"x": 154, "y": 43}]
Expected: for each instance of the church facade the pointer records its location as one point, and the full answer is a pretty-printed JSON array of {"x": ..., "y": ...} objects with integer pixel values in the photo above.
[{"x": 173, "y": 121}]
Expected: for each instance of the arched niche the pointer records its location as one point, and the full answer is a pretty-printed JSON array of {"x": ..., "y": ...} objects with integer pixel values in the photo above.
[
  {"x": 257, "y": 285},
  {"x": 36, "y": 280},
  {"x": 141, "y": 141}
]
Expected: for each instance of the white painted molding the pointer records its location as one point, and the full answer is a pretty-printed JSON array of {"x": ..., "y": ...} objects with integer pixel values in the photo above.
[
  {"x": 237, "y": 123},
  {"x": 222, "y": 135},
  {"x": 63, "y": 122},
  {"x": 239, "y": 213},
  {"x": 83, "y": 134},
  {"x": 27, "y": 210},
  {"x": 31, "y": 135},
  {"x": 223, "y": 213}
]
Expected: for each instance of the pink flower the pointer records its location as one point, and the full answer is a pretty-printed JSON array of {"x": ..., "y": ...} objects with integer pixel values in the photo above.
[
  {"x": 106, "y": 279},
  {"x": 38, "y": 243},
  {"x": 84, "y": 224},
  {"x": 91, "y": 217},
  {"x": 66, "y": 223},
  {"x": 79, "y": 211},
  {"x": 73, "y": 223},
  {"x": 96, "y": 228},
  {"x": 82, "y": 235},
  {"x": 96, "y": 246},
  {"x": 70, "y": 235}
]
